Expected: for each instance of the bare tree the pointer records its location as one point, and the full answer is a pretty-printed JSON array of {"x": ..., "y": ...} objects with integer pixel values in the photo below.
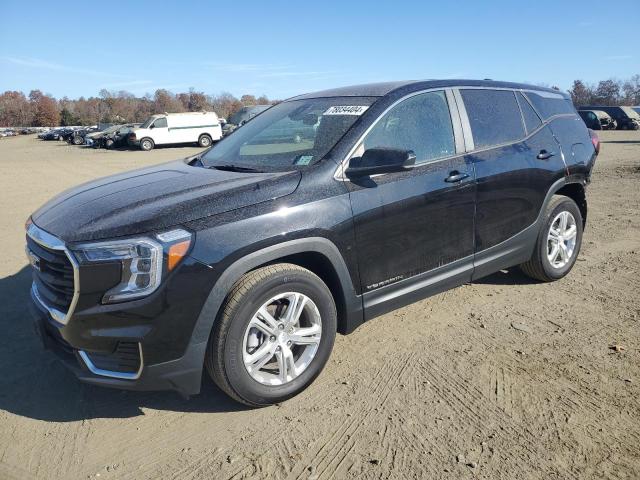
[
  {"x": 581, "y": 94},
  {"x": 608, "y": 92}
]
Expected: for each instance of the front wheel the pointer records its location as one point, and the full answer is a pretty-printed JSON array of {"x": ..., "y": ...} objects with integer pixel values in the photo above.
[
  {"x": 274, "y": 335},
  {"x": 204, "y": 141},
  {"x": 146, "y": 144},
  {"x": 558, "y": 243}
]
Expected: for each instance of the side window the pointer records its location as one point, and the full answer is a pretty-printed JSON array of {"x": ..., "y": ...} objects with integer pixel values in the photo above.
[
  {"x": 550, "y": 104},
  {"x": 421, "y": 123},
  {"x": 494, "y": 116},
  {"x": 531, "y": 119},
  {"x": 160, "y": 123}
]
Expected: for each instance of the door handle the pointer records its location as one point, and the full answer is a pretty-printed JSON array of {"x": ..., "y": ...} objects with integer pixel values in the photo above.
[
  {"x": 456, "y": 176},
  {"x": 544, "y": 155}
]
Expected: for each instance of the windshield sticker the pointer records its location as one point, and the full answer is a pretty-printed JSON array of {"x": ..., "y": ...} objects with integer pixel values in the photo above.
[
  {"x": 303, "y": 160},
  {"x": 346, "y": 110}
]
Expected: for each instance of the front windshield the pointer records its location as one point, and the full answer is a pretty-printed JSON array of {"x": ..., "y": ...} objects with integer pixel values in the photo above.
[
  {"x": 289, "y": 135},
  {"x": 115, "y": 128},
  {"x": 147, "y": 122}
]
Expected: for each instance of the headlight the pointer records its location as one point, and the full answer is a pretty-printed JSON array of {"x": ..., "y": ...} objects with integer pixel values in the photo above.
[{"x": 141, "y": 259}]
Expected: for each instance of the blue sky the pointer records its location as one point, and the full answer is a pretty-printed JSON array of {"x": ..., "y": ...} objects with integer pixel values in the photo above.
[{"x": 283, "y": 48}]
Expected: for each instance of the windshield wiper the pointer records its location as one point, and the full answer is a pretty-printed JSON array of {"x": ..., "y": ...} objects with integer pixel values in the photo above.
[{"x": 236, "y": 168}]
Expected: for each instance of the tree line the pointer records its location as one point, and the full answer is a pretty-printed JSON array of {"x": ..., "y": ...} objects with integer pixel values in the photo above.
[
  {"x": 607, "y": 92},
  {"x": 42, "y": 110}
]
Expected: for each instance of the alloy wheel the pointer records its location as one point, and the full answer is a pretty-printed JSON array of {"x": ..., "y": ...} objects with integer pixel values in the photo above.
[
  {"x": 561, "y": 240},
  {"x": 282, "y": 338}
]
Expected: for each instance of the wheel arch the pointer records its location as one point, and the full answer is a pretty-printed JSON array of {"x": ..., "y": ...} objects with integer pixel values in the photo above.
[
  {"x": 317, "y": 254},
  {"x": 577, "y": 193},
  {"x": 322, "y": 266}
]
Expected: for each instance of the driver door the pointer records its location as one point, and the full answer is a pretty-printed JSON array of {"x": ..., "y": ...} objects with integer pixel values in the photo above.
[
  {"x": 415, "y": 229},
  {"x": 161, "y": 131}
]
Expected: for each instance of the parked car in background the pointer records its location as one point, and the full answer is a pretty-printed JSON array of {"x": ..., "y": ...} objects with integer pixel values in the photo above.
[
  {"x": 117, "y": 138},
  {"x": 92, "y": 138},
  {"x": 247, "y": 259},
  {"x": 66, "y": 133},
  {"x": 202, "y": 128},
  {"x": 53, "y": 134},
  {"x": 242, "y": 116},
  {"x": 597, "y": 119},
  {"x": 78, "y": 136},
  {"x": 626, "y": 117}
]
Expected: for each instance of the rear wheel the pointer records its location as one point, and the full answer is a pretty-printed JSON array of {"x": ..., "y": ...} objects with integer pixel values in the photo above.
[
  {"x": 146, "y": 144},
  {"x": 204, "y": 141},
  {"x": 274, "y": 335},
  {"x": 108, "y": 143},
  {"x": 558, "y": 242}
]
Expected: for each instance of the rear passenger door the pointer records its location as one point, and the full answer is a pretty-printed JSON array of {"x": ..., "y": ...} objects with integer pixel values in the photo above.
[
  {"x": 415, "y": 226},
  {"x": 516, "y": 159}
]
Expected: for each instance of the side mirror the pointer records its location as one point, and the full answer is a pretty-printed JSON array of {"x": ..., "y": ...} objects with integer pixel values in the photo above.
[
  {"x": 152, "y": 126},
  {"x": 380, "y": 160}
]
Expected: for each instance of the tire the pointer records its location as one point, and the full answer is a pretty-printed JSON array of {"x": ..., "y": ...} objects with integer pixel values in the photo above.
[
  {"x": 78, "y": 140},
  {"x": 540, "y": 267},
  {"x": 204, "y": 141},
  {"x": 108, "y": 143},
  {"x": 229, "y": 341},
  {"x": 146, "y": 144}
]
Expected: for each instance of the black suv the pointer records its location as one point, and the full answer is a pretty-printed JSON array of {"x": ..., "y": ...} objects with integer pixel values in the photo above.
[{"x": 248, "y": 258}]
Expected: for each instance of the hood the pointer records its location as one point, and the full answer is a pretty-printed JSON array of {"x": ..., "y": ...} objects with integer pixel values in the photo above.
[{"x": 156, "y": 198}]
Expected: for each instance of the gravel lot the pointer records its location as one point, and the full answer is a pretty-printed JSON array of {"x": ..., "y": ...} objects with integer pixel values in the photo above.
[{"x": 505, "y": 378}]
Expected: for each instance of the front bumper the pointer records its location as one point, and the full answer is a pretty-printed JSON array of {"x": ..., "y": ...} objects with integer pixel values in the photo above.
[
  {"x": 139, "y": 345},
  {"x": 183, "y": 375}
]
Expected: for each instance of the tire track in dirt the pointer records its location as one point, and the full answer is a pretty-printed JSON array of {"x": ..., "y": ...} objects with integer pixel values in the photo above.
[
  {"x": 332, "y": 453},
  {"x": 214, "y": 461},
  {"x": 501, "y": 389},
  {"x": 325, "y": 454},
  {"x": 468, "y": 401}
]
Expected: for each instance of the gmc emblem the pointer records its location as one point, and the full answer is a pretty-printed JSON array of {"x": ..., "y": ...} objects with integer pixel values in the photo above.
[{"x": 34, "y": 260}]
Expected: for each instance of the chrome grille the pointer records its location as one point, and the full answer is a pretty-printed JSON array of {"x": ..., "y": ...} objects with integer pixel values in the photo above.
[{"x": 55, "y": 273}]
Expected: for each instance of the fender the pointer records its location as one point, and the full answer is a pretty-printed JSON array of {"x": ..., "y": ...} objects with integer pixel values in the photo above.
[
  {"x": 193, "y": 359},
  {"x": 353, "y": 302}
]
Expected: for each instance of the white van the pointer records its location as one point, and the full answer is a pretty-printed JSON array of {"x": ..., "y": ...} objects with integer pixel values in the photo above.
[{"x": 202, "y": 128}]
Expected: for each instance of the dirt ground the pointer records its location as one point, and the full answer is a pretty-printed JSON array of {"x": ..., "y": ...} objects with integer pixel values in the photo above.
[{"x": 505, "y": 378}]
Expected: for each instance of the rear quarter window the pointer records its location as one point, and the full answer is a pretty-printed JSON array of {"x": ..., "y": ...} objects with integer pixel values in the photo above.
[
  {"x": 494, "y": 116},
  {"x": 549, "y": 104},
  {"x": 531, "y": 119}
]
